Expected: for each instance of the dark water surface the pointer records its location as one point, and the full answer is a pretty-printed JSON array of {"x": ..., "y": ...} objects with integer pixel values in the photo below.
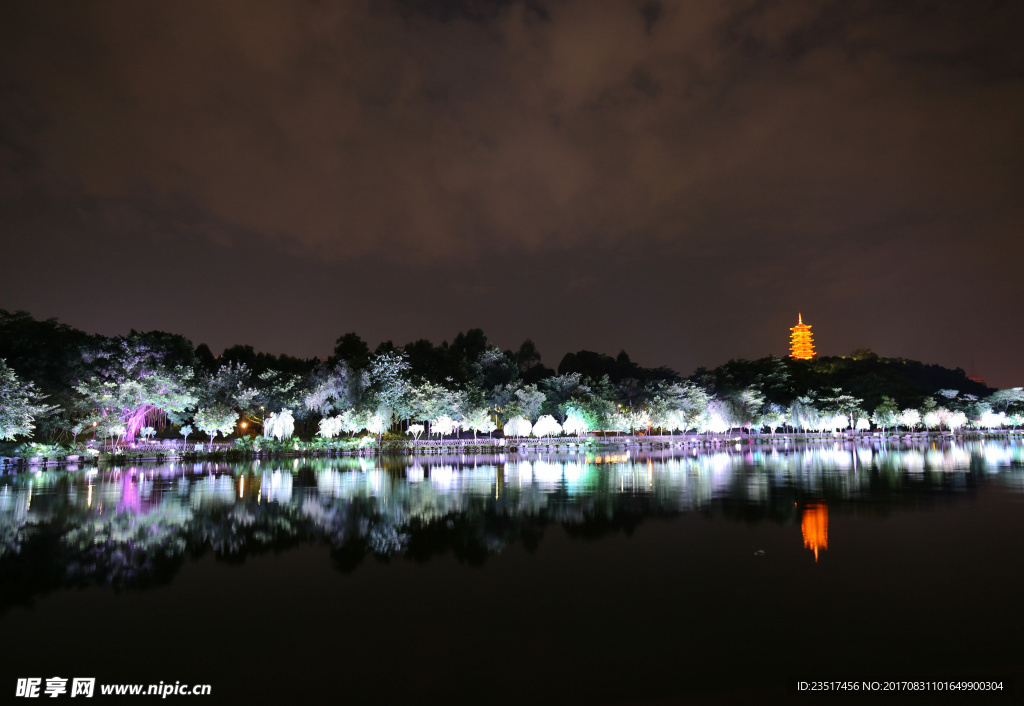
[{"x": 715, "y": 577}]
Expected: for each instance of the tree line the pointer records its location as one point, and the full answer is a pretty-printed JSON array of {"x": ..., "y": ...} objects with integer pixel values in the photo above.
[{"x": 61, "y": 384}]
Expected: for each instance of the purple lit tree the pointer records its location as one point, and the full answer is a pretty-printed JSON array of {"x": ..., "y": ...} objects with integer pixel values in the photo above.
[{"x": 134, "y": 382}]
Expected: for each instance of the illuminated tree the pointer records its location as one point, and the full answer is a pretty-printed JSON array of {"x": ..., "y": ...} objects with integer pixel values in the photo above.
[
  {"x": 661, "y": 408},
  {"x": 910, "y": 418},
  {"x": 1008, "y": 400},
  {"x": 377, "y": 424},
  {"x": 637, "y": 418},
  {"x": 278, "y": 389},
  {"x": 133, "y": 383},
  {"x": 842, "y": 403},
  {"x": 594, "y": 410},
  {"x": 428, "y": 401},
  {"x": 991, "y": 420},
  {"x": 479, "y": 419},
  {"x": 674, "y": 421},
  {"x": 694, "y": 406},
  {"x": 518, "y": 400},
  {"x": 185, "y": 431},
  {"x": 886, "y": 414},
  {"x": 618, "y": 421},
  {"x": 216, "y": 418},
  {"x": 773, "y": 417},
  {"x": 232, "y": 384},
  {"x": 804, "y": 413},
  {"x": 928, "y": 405},
  {"x": 715, "y": 421},
  {"x": 517, "y": 427},
  {"x": 354, "y": 421},
  {"x": 558, "y": 390},
  {"x": 743, "y": 409},
  {"x": 956, "y": 420},
  {"x": 337, "y": 390},
  {"x": 837, "y": 422},
  {"x": 415, "y": 430},
  {"x": 546, "y": 426},
  {"x": 389, "y": 391},
  {"x": 280, "y": 426},
  {"x": 443, "y": 425},
  {"x": 330, "y": 427},
  {"x": 19, "y": 404},
  {"x": 575, "y": 422}
]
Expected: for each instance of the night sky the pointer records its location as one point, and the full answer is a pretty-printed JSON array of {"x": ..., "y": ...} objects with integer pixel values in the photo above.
[{"x": 673, "y": 179}]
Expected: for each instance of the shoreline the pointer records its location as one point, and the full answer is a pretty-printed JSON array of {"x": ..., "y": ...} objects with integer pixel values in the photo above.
[{"x": 494, "y": 446}]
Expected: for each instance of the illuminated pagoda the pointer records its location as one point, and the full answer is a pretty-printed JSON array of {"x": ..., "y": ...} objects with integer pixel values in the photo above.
[{"x": 801, "y": 341}]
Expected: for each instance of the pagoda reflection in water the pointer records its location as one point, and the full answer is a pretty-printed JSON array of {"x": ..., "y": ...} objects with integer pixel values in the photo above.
[{"x": 814, "y": 525}]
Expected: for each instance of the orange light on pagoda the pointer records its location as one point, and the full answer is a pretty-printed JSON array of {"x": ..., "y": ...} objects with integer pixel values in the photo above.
[
  {"x": 801, "y": 341},
  {"x": 814, "y": 525}
]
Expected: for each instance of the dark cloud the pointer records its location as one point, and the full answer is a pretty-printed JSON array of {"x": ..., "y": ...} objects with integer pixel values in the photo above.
[{"x": 680, "y": 165}]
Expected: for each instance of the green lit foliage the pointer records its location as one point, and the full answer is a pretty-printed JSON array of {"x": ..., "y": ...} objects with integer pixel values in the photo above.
[
  {"x": 596, "y": 411},
  {"x": 278, "y": 389},
  {"x": 838, "y": 402},
  {"x": 354, "y": 421},
  {"x": 1009, "y": 401},
  {"x": 216, "y": 418},
  {"x": 886, "y": 414},
  {"x": 478, "y": 419},
  {"x": 428, "y": 401},
  {"x": 805, "y": 414},
  {"x": 744, "y": 408},
  {"x": 517, "y": 400},
  {"x": 389, "y": 391},
  {"x": 773, "y": 416},
  {"x": 576, "y": 421},
  {"x": 559, "y": 390},
  {"x": 675, "y": 406},
  {"x": 20, "y": 404}
]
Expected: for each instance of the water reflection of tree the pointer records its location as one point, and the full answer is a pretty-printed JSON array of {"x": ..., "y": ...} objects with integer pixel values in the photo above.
[
  {"x": 125, "y": 549},
  {"x": 148, "y": 527}
]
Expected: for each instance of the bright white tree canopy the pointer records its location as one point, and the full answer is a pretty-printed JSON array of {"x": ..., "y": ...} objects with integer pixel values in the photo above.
[
  {"x": 518, "y": 426},
  {"x": 280, "y": 426},
  {"x": 546, "y": 426}
]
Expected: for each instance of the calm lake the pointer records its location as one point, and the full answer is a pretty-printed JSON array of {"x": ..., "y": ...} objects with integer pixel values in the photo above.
[{"x": 696, "y": 577}]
